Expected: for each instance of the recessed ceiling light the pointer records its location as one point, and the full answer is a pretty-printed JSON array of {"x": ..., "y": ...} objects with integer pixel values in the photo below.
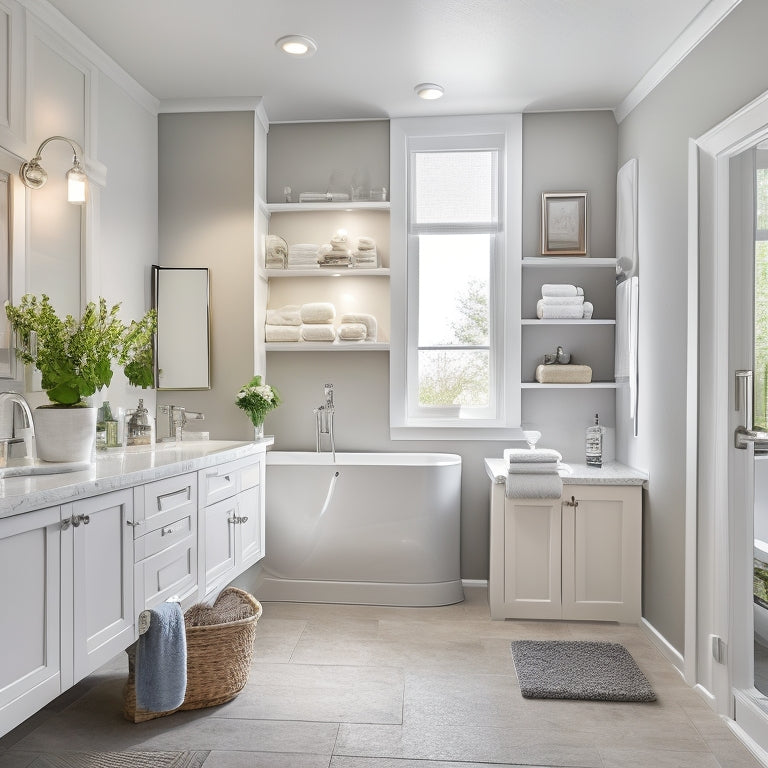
[
  {"x": 429, "y": 90},
  {"x": 297, "y": 45}
]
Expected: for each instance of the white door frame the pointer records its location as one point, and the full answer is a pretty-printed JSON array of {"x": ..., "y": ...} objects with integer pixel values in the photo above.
[{"x": 709, "y": 537}]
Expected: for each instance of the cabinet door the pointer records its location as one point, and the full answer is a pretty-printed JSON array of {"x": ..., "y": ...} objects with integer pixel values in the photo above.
[
  {"x": 219, "y": 541},
  {"x": 532, "y": 558},
  {"x": 602, "y": 553},
  {"x": 102, "y": 602},
  {"x": 250, "y": 529},
  {"x": 30, "y": 651}
]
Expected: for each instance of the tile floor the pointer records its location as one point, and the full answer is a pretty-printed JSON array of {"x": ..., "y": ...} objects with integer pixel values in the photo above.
[{"x": 370, "y": 687}]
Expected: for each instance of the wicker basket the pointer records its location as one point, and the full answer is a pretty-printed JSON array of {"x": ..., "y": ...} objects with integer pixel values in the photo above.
[{"x": 218, "y": 660}]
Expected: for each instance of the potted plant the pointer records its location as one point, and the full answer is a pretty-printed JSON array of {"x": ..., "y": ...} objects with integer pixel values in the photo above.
[
  {"x": 75, "y": 358},
  {"x": 257, "y": 399}
]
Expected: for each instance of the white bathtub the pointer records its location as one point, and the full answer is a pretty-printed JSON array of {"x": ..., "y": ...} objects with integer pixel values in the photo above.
[{"x": 371, "y": 528}]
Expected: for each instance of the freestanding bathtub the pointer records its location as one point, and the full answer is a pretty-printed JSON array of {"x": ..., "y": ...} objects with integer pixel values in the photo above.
[{"x": 369, "y": 528}]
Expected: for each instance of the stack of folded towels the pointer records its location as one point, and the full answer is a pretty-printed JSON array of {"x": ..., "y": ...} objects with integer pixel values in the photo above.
[
  {"x": 357, "y": 327},
  {"x": 303, "y": 256},
  {"x": 283, "y": 324},
  {"x": 317, "y": 322},
  {"x": 560, "y": 301},
  {"x": 366, "y": 256},
  {"x": 336, "y": 253},
  {"x": 276, "y": 252},
  {"x": 532, "y": 473}
]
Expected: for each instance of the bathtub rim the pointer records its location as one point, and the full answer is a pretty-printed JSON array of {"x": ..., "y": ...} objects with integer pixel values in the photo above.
[{"x": 362, "y": 458}]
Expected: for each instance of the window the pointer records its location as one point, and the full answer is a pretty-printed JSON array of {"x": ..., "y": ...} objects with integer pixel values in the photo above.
[{"x": 455, "y": 278}]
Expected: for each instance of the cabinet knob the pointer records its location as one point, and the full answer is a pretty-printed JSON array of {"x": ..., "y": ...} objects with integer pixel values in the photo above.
[
  {"x": 233, "y": 520},
  {"x": 132, "y": 524},
  {"x": 85, "y": 519},
  {"x": 242, "y": 519},
  {"x": 66, "y": 523},
  {"x": 572, "y": 503}
]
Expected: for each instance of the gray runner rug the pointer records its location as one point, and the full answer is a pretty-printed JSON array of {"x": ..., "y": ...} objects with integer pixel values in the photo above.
[
  {"x": 558, "y": 669},
  {"x": 121, "y": 760}
]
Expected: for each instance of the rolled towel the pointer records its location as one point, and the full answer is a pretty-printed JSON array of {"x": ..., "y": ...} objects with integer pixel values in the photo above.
[
  {"x": 275, "y": 246},
  {"x": 282, "y": 332},
  {"x": 560, "y": 289},
  {"x": 287, "y": 315},
  {"x": 161, "y": 660},
  {"x": 352, "y": 332},
  {"x": 563, "y": 301},
  {"x": 369, "y": 321},
  {"x": 528, "y": 456},
  {"x": 534, "y": 486},
  {"x": 588, "y": 310},
  {"x": 318, "y": 332},
  {"x": 533, "y": 468},
  {"x": 317, "y": 312},
  {"x": 558, "y": 312}
]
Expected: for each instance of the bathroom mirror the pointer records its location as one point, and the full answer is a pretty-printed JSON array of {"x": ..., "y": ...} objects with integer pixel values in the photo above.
[{"x": 182, "y": 343}]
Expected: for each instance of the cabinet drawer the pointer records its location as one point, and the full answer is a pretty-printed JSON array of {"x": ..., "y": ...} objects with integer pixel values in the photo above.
[
  {"x": 163, "y": 537},
  {"x": 172, "y": 571},
  {"x": 164, "y": 502},
  {"x": 226, "y": 480}
]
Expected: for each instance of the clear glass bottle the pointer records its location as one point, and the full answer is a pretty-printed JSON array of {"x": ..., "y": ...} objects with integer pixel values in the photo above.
[
  {"x": 103, "y": 415},
  {"x": 594, "y": 444}
]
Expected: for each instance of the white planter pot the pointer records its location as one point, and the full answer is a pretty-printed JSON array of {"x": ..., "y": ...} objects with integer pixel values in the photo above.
[{"x": 64, "y": 434}]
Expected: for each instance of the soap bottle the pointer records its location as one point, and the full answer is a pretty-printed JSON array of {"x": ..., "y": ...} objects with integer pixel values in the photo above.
[
  {"x": 594, "y": 444},
  {"x": 110, "y": 427},
  {"x": 103, "y": 415}
]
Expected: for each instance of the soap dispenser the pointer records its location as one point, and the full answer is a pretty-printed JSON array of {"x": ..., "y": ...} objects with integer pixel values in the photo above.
[
  {"x": 594, "y": 444},
  {"x": 139, "y": 427}
]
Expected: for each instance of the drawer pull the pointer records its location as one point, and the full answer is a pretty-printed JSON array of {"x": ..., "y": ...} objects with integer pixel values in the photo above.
[
  {"x": 133, "y": 524},
  {"x": 170, "y": 529},
  {"x": 173, "y": 494}
]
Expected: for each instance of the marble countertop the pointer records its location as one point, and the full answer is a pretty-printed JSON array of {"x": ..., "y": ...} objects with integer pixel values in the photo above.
[
  {"x": 112, "y": 471},
  {"x": 611, "y": 473}
]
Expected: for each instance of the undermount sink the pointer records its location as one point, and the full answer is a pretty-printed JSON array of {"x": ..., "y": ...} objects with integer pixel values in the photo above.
[{"x": 28, "y": 466}]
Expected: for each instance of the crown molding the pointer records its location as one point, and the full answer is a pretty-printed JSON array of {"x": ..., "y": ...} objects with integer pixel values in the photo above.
[{"x": 216, "y": 104}]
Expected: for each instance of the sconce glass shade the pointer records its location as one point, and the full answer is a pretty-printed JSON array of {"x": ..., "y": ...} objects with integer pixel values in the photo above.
[
  {"x": 77, "y": 184},
  {"x": 34, "y": 176}
]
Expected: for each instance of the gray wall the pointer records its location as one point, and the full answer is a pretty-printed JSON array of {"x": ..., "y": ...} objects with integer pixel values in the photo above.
[
  {"x": 562, "y": 152},
  {"x": 723, "y": 73},
  {"x": 206, "y": 219}
]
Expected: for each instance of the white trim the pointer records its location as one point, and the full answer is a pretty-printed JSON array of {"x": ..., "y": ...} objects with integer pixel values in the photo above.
[
  {"x": 758, "y": 750},
  {"x": 667, "y": 650},
  {"x": 708, "y": 18},
  {"x": 705, "y": 695},
  {"x": 79, "y": 41},
  {"x": 212, "y": 104}
]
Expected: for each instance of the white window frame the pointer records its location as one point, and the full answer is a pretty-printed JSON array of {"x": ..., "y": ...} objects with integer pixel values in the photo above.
[{"x": 505, "y": 132}]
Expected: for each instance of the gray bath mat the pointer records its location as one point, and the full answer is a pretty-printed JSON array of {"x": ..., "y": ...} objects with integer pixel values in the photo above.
[
  {"x": 122, "y": 760},
  {"x": 557, "y": 669}
]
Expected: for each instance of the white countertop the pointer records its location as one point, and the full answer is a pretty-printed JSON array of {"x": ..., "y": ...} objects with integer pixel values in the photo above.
[
  {"x": 112, "y": 471},
  {"x": 611, "y": 473}
]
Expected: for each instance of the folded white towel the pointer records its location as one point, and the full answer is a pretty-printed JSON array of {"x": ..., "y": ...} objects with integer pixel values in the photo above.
[
  {"x": 369, "y": 321},
  {"x": 588, "y": 310},
  {"x": 533, "y": 468},
  {"x": 318, "y": 332},
  {"x": 558, "y": 312},
  {"x": 560, "y": 289},
  {"x": 312, "y": 265},
  {"x": 282, "y": 332},
  {"x": 535, "y": 456},
  {"x": 317, "y": 312},
  {"x": 563, "y": 301},
  {"x": 534, "y": 486},
  {"x": 353, "y": 332},
  {"x": 365, "y": 243},
  {"x": 287, "y": 315}
]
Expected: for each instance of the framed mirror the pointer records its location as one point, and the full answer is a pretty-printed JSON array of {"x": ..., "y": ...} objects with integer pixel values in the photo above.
[{"x": 181, "y": 298}]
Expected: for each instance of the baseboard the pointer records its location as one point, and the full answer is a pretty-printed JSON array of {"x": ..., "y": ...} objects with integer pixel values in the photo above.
[
  {"x": 475, "y": 583},
  {"x": 706, "y": 695},
  {"x": 756, "y": 749},
  {"x": 668, "y": 651}
]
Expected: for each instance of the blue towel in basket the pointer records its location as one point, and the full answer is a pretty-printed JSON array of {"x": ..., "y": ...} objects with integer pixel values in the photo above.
[{"x": 161, "y": 661}]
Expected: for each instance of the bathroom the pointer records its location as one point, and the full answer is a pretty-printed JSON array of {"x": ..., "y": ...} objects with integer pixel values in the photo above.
[{"x": 562, "y": 150}]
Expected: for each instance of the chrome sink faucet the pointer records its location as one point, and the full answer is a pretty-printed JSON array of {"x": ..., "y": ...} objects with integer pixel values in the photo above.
[
  {"x": 27, "y": 433},
  {"x": 324, "y": 420},
  {"x": 178, "y": 416}
]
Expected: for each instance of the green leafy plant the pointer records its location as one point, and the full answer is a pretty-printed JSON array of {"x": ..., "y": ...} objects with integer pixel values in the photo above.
[
  {"x": 257, "y": 399},
  {"x": 75, "y": 356}
]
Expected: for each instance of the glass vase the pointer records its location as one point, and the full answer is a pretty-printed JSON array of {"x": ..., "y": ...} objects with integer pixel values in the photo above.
[{"x": 258, "y": 431}]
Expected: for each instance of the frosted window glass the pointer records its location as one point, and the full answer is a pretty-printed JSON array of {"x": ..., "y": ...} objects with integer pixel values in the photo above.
[{"x": 455, "y": 187}]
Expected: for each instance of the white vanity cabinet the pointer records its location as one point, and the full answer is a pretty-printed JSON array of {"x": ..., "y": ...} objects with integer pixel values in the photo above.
[
  {"x": 231, "y": 520},
  {"x": 577, "y": 557}
]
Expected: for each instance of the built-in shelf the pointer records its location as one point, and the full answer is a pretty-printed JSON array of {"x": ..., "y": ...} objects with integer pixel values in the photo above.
[
  {"x": 325, "y": 346},
  {"x": 329, "y": 272},
  {"x": 353, "y": 205},
  {"x": 591, "y": 385},
  {"x": 567, "y": 261},
  {"x": 536, "y": 321}
]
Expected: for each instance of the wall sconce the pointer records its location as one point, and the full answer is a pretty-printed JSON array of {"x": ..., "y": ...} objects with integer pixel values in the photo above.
[{"x": 34, "y": 175}]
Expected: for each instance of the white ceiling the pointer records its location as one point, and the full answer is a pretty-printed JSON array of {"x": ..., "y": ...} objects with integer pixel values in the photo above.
[{"x": 490, "y": 55}]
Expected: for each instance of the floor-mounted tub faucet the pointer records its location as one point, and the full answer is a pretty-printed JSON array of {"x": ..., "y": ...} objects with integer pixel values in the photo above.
[{"x": 324, "y": 420}]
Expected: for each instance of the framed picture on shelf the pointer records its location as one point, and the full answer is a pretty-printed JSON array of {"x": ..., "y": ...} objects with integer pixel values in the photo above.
[{"x": 564, "y": 224}]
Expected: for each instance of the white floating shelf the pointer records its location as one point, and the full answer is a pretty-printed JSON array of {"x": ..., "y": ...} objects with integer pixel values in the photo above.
[
  {"x": 592, "y": 385},
  {"x": 567, "y": 261},
  {"x": 325, "y": 346},
  {"x": 329, "y": 272},
  {"x": 536, "y": 321},
  {"x": 352, "y": 205}
]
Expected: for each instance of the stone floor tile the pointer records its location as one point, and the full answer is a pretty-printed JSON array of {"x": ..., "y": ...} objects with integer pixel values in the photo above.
[
  {"x": 340, "y": 761},
  {"x": 643, "y": 758},
  {"x": 226, "y": 759},
  {"x": 276, "y": 639}
]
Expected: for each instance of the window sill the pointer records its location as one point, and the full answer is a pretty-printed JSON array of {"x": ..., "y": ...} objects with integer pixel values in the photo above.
[{"x": 456, "y": 433}]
